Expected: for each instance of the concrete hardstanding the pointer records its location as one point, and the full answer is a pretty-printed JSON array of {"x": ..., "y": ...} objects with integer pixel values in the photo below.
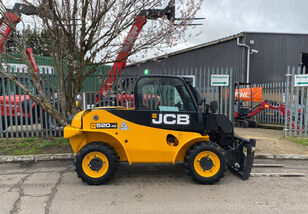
[{"x": 52, "y": 187}]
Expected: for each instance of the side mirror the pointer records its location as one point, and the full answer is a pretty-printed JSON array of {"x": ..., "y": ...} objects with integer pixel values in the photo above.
[
  {"x": 78, "y": 101},
  {"x": 214, "y": 106}
]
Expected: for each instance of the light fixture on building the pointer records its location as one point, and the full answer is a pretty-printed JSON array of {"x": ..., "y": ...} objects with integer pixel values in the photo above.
[{"x": 254, "y": 51}]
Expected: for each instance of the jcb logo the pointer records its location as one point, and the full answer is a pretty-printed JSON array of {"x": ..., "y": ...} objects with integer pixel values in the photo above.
[{"x": 171, "y": 119}]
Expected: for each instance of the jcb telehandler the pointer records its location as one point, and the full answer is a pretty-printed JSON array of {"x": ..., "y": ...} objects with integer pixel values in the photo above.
[{"x": 169, "y": 123}]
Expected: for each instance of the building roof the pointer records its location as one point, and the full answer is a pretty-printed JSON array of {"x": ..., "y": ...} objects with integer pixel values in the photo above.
[
  {"x": 203, "y": 45},
  {"x": 235, "y": 36},
  {"x": 277, "y": 33},
  {"x": 192, "y": 48}
]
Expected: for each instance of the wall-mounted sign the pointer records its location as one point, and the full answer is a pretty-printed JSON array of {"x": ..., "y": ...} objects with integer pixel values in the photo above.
[
  {"x": 301, "y": 80},
  {"x": 219, "y": 80}
]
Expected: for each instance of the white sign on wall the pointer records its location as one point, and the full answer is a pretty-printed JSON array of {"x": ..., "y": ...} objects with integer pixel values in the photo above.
[
  {"x": 22, "y": 68},
  {"x": 301, "y": 80},
  {"x": 219, "y": 80}
]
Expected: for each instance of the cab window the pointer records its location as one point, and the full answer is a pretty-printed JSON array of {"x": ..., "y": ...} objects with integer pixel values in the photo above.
[{"x": 164, "y": 94}]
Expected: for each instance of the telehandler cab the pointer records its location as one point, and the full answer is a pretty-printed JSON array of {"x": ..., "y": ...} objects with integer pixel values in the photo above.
[{"x": 167, "y": 125}]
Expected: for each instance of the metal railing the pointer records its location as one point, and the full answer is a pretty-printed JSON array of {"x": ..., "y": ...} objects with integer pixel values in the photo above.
[
  {"x": 296, "y": 121},
  {"x": 273, "y": 94},
  {"x": 21, "y": 117},
  {"x": 292, "y": 102}
]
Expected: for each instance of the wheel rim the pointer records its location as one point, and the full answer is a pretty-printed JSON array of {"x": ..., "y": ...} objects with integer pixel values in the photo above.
[
  {"x": 207, "y": 164},
  {"x": 95, "y": 164}
]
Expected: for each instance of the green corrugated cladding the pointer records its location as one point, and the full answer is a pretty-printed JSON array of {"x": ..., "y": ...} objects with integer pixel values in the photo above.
[{"x": 91, "y": 83}]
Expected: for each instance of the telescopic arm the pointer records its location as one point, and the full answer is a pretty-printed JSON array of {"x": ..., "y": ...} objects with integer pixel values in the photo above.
[{"x": 9, "y": 21}]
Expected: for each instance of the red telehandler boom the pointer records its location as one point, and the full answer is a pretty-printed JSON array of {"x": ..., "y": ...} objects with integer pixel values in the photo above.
[
  {"x": 139, "y": 22},
  {"x": 9, "y": 21}
]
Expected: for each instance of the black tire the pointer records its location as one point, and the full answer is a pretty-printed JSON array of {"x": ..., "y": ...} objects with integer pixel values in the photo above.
[
  {"x": 199, "y": 148},
  {"x": 253, "y": 123},
  {"x": 245, "y": 124},
  {"x": 237, "y": 123},
  {"x": 104, "y": 149}
]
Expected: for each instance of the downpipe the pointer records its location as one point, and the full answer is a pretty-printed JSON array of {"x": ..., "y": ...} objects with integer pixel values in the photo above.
[{"x": 248, "y": 58}]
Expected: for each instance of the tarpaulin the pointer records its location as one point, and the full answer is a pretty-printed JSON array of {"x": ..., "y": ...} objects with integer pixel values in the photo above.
[{"x": 245, "y": 94}]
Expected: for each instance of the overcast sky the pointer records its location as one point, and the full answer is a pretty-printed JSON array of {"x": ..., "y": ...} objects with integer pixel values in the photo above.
[{"x": 227, "y": 17}]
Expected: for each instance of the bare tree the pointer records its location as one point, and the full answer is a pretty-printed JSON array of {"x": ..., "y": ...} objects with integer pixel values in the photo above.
[{"x": 91, "y": 32}]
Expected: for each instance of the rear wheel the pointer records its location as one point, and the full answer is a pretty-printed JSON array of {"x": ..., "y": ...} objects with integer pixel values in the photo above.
[
  {"x": 96, "y": 163},
  {"x": 205, "y": 162}
]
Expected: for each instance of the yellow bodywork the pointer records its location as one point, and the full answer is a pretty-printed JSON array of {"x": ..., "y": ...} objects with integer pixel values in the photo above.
[{"x": 138, "y": 144}]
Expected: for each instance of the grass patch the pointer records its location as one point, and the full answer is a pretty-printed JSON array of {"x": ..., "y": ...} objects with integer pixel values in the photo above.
[
  {"x": 298, "y": 140},
  {"x": 33, "y": 146}
]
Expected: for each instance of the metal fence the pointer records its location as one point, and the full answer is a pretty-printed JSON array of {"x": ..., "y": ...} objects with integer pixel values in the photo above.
[
  {"x": 273, "y": 94},
  {"x": 290, "y": 104},
  {"x": 200, "y": 78},
  {"x": 21, "y": 117},
  {"x": 296, "y": 121}
]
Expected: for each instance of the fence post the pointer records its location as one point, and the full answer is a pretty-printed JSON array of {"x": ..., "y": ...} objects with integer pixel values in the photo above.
[
  {"x": 296, "y": 107},
  {"x": 231, "y": 106},
  {"x": 306, "y": 114},
  {"x": 287, "y": 103},
  {"x": 292, "y": 103}
]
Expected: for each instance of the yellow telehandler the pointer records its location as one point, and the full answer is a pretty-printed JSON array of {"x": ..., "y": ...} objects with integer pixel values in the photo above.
[{"x": 170, "y": 123}]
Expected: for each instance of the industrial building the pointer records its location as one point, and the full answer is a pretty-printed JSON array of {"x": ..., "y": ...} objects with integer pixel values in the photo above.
[{"x": 256, "y": 57}]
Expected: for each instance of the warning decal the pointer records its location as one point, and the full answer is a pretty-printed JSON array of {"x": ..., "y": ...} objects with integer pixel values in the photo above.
[{"x": 123, "y": 126}]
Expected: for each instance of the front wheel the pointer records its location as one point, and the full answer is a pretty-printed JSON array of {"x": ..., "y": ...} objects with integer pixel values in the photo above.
[
  {"x": 205, "y": 162},
  {"x": 96, "y": 163}
]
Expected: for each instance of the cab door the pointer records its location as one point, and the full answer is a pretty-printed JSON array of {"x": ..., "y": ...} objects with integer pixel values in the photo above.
[
  {"x": 167, "y": 113},
  {"x": 169, "y": 101}
]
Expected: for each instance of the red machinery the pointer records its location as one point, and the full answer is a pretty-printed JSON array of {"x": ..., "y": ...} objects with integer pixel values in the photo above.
[
  {"x": 10, "y": 19},
  {"x": 106, "y": 95},
  {"x": 243, "y": 115},
  {"x": 139, "y": 22}
]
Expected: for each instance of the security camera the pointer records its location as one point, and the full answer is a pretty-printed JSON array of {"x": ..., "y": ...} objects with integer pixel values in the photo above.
[{"x": 254, "y": 51}]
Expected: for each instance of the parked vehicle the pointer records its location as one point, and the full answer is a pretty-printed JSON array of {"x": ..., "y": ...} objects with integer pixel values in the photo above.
[
  {"x": 17, "y": 108},
  {"x": 175, "y": 129}
]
